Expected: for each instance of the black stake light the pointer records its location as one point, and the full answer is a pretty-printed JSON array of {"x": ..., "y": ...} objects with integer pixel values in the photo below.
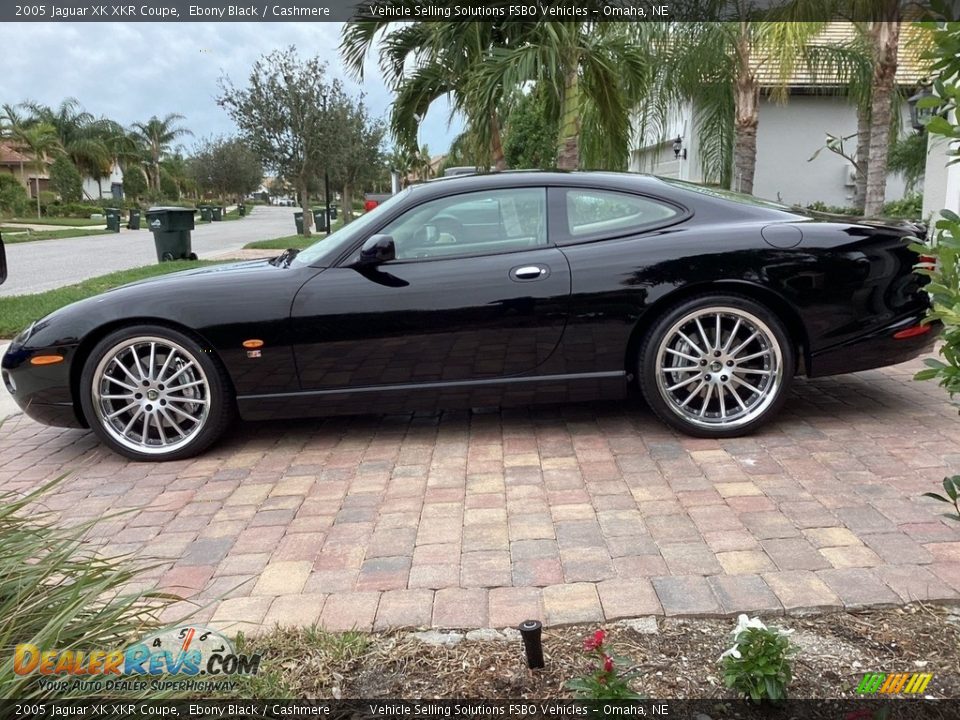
[{"x": 530, "y": 632}]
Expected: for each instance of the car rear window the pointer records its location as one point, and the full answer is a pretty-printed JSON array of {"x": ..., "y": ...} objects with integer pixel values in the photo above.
[{"x": 597, "y": 213}]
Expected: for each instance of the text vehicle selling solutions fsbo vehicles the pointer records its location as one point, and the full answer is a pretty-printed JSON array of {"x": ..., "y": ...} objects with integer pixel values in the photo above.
[{"x": 499, "y": 289}]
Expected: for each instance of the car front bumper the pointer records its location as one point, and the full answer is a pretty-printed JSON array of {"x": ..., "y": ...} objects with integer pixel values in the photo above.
[{"x": 43, "y": 392}]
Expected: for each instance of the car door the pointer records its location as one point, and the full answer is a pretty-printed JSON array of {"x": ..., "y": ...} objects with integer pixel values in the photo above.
[{"x": 455, "y": 306}]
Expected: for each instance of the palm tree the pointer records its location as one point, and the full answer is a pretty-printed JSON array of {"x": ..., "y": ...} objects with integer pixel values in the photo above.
[
  {"x": 423, "y": 61},
  {"x": 157, "y": 136},
  {"x": 12, "y": 123},
  {"x": 591, "y": 73},
  {"x": 40, "y": 140},
  {"x": 719, "y": 66},
  {"x": 80, "y": 134}
]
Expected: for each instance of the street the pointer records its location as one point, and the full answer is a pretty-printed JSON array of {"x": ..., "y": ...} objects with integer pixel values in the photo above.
[{"x": 48, "y": 264}]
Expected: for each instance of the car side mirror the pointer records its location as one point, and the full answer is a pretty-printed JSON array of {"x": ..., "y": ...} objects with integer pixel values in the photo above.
[
  {"x": 3, "y": 262},
  {"x": 378, "y": 249}
]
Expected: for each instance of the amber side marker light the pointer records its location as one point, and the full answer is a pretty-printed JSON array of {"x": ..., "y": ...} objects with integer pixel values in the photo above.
[
  {"x": 911, "y": 332},
  {"x": 252, "y": 344},
  {"x": 46, "y": 359}
]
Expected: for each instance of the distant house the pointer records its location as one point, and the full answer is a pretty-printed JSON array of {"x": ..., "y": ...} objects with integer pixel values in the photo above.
[
  {"x": 23, "y": 168},
  {"x": 109, "y": 186},
  {"x": 788, "y": 135}
]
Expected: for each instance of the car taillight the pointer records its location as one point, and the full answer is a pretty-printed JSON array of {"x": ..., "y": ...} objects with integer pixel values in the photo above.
[
  {"x": 911, "y": 332},
  {"x": 929, "y": 262}
]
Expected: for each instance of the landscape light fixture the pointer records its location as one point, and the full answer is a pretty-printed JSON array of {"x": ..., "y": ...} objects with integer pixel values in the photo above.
[{"x": 678, "y": 148}]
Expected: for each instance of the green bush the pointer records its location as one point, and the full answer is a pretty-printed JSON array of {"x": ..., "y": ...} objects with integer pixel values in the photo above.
[
  {"x": 134, "y": 183},
  {"x": 65, "y": 180},
  {"x": 758, "y": 666},
  {"x": 909, "y": 208},
  {"x": 820, "y": 206},
  {"x": 47, "y": 198},
  {"x": 13, "y": 196}
]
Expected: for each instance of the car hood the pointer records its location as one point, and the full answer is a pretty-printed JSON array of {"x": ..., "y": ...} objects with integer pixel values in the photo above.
[{"x": 233, "y": 268}]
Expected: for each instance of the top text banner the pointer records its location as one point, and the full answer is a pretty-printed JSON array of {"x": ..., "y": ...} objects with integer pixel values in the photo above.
[{"x": 420, "y": 10}]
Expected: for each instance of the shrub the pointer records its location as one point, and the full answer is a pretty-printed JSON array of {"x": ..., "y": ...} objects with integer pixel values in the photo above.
[
  {"x": 55, "y": 595},
  {"x": 65, "y": 179},
  {"x": 758, "y": 664},
  {"x": 47, "y": 198},
  {"x": 820, "y": 206},
  {"x": 610, "y": 675},
  {"x": 134, "y": 182},
  {"x": 908, "y": 208},
  {"x": 13, "y": 196}
]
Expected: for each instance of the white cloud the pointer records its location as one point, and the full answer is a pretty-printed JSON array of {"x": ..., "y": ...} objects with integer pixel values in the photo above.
[{"x": 130, "y": 71}]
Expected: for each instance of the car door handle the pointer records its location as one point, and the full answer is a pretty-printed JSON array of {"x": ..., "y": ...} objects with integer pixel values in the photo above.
[{"x": 525, "y": 273}]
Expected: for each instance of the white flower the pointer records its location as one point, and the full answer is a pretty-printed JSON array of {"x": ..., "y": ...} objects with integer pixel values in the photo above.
[
  {"x": 732, "y": 652},
  {"x": 744, "y": 623}
]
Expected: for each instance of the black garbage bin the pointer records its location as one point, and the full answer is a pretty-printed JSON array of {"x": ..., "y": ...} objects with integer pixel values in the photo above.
[
  {"x": 242, "y": 210},
  {"x": 113, "y": 219},
  {"x": 298, "y": 219},
  {"x": 333, "y": 213},
  {"x": 133, "y": 223},
  {"x": 217, "y": 213},
  {"x": 320, "y": 219},
  {"x": 206, "y": 212},
  {"x": 171, "y": 228}
]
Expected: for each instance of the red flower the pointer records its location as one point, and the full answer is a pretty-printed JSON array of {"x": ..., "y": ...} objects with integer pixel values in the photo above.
[
  {"x": 595, "y": 642},
  {"x": 607, "y": 663}
]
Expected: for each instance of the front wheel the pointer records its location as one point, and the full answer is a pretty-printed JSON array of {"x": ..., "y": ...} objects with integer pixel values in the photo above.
[
  {"x": 152, "y": 393},
  {"x": 716, "y": 366}
]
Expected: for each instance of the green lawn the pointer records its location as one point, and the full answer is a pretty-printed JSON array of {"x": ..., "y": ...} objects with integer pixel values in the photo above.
[
  {"x": 291, "y": 241},
  {"x": 77, "y": 222},
  {"x": 13, "y": 234},
  {"x": 18, "y": 311}
]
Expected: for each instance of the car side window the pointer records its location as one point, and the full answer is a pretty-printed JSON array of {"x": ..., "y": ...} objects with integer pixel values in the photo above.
[
  {"x": 594, "y": 214},
  {"x": 478, "y": 223}
]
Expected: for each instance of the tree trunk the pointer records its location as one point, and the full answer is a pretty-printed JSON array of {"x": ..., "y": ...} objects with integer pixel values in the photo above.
[
  {"x": 862, "y": 157},
  {"x": 347, "y": 204},
  {"x": 885, "y": 36},
  {"x": 568, "y": 150},
  {"x": 746, "y": 117},
  {"x": 37, "y": 179},
  {"x": 305, "y": 206},
  {"x": 496, "y": 144}
]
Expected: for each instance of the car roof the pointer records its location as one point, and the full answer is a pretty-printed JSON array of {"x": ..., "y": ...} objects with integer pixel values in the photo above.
[{"x": 524, "y": 178}]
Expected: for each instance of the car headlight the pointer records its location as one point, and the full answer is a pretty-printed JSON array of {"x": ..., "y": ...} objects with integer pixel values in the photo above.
[{"x": 24, "y": 335}]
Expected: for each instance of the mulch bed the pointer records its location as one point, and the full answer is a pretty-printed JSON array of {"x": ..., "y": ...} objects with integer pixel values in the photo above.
[{"x": 678, "y": 660}]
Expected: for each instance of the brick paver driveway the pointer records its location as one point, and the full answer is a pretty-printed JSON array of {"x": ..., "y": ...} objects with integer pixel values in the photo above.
[{"x": 573, "y": 513}]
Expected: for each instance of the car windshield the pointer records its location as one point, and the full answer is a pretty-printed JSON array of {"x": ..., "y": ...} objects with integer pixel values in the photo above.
[{"x": 329, "y": 248}]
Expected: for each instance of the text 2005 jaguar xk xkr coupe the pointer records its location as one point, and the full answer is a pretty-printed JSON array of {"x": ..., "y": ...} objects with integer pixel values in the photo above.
[{"x": 501, "y": 289}]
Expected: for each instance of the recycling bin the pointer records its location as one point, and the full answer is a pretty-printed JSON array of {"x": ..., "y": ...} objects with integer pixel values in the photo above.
[
  {"x": 320, "y": 219},
  {"x": 133, "y": 223},
  {"x": 113, "y": 219},
  {"x": 242, "y": 210},
  {"x": 206, "y": 212},
  {"x": 171, "y": 228},
  {"x": 217, "y": 213},
  {"x": 298, "y": 219}
]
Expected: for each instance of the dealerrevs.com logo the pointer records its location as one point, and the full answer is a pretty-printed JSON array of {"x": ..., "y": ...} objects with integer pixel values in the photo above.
[{"x": 188, "y": 652}]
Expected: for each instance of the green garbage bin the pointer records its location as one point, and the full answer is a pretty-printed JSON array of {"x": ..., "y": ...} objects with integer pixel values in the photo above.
[
  {"x": 333, "y": 212},
  {"x": 298, "y": 219},
  {"x": 113, "y": 219},
  {"x": 171, "y": 228},
  {"x": 133, "y": 223},
  {"x": 242, "y": 210},
  {"x": 320, "y": 220},
  {"x": 206, "y": 212},
  {"x": 217, "y": 213}
]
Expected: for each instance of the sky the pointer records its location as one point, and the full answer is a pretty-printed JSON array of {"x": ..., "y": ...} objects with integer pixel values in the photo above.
[{"x": 131, "y": 71}]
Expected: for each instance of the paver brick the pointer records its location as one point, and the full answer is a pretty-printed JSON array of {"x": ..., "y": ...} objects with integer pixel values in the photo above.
[
  {"x": 744, "y": 594},
  {"x": 299, "y": 611},
  {"x": 802, "y": 592},
  {"x": 350, "y": 611},
  {"x": 572, "y": 603},
  {"x": 510, "y": 606},
  {"x": 858, "y": 587},
  {"x": 404, "y": 608},
  {"x": 628, "y": 599},
  {"x": 686, "y": 595},
  {"x": 460, "y": 608}
]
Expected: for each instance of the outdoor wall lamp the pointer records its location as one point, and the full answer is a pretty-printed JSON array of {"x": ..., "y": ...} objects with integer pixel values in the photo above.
[
  {"x": 920, "y": 116},
  {"x": 678, "y": 148}
]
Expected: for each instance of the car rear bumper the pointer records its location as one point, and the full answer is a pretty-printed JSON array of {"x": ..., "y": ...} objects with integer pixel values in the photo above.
[{"x": 877, "y": 349}]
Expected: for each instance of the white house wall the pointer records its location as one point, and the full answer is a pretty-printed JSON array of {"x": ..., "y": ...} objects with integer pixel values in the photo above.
[
  {"x": 93, "y": 191},
  {"x": 789, "y": 134}
]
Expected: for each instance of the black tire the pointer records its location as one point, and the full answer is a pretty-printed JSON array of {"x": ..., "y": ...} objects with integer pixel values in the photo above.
[
  {"x": 192, "y": 256},
  {"x": 166, "y": 257},
  {"x": 212, "y": 390},
  {"x": 715, "y": 367}
]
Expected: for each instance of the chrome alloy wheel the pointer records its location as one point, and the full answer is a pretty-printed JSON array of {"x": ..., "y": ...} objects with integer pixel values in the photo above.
[
  {"x": 719, "y": 367},
  {"x": 151, "y": 395}
]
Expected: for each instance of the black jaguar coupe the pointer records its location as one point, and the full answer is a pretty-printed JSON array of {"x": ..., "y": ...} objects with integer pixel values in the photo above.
[{"x": 500, "y": 289}]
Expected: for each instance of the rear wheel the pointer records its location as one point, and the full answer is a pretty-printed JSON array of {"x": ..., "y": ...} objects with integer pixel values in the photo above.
[
  {"x": 152, "y": 393},
  {"x": 716, "y": 366}
]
